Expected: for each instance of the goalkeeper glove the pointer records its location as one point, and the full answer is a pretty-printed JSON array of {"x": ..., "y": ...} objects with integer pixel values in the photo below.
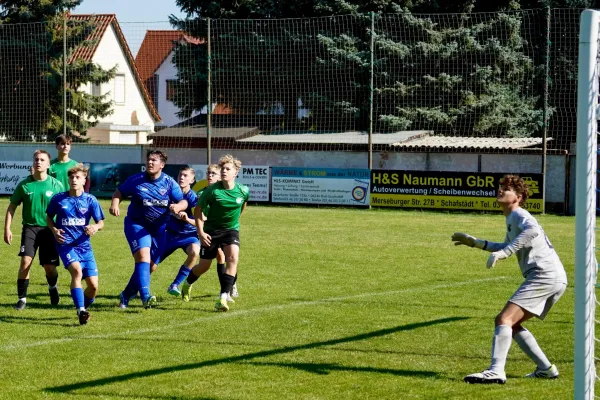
[
  {"x": 464, "y": 239},
  {"x": 494, "y": 257}
]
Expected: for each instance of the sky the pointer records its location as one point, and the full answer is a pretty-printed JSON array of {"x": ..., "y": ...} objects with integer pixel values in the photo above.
[{"x": 134, "y": 16}]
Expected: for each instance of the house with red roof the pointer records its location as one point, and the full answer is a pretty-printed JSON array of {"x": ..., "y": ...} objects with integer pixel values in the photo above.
[
  {"x": 154, "y": 60},
  {"x": 134, "y": 114}
]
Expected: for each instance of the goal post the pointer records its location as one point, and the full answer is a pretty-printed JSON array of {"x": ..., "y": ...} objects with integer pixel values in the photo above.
[{"x": 585, "y": 206}]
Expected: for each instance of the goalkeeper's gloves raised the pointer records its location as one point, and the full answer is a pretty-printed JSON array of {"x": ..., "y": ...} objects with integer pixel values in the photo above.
[
  {"x": 463, "y": 239},
  {"x": 494, "y": 257}
]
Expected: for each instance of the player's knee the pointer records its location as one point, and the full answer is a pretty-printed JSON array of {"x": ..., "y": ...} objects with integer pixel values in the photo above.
[{"x": 232, "y": 259}]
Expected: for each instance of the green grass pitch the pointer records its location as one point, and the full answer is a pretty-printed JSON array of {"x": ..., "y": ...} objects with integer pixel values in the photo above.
[{"x": 334, "y": 304}]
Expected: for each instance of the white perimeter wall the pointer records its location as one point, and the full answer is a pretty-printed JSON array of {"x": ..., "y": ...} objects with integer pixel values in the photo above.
[{"x": 556, "y": 179}]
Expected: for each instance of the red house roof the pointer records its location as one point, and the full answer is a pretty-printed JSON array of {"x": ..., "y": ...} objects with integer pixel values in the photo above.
[{"x": 103, "y": 21}]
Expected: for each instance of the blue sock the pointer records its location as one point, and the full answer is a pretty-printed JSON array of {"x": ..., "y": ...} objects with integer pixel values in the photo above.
[
  {"x": 142, "y": 279},
  {"x": 77, "y": 295},
  {"x": 87, "y": 301},
  {"x": 131, "y": 288},
  {"x": 181, "y": 275}
]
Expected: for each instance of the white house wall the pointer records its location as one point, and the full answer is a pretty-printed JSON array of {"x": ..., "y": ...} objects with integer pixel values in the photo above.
[
  {"x": 134, "y": 110},
  {"x": 167, "y": 109}
]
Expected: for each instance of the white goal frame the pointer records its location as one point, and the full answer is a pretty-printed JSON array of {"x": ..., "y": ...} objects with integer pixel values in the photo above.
[{"x": 585, "y": 206}]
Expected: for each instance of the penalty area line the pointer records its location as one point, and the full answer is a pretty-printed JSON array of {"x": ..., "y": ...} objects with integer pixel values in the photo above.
[{"x": 251, "y": 311}]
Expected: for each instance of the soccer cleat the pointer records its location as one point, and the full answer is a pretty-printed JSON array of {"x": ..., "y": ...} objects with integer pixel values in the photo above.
[
  {"x": 20, "y": 305},
  {"x": 54, "y": 296},
  {"x": 186, "y": 290},
  {"x": 550, "y": 373},
  {"x": 229, "y": 298},
  {"x": 123, "y": 301},
  {"x": 84, "y": 317},
  {"x": 173, "y": 290},
  {"x": 221, "y": 305},
  {"x": 149, "y": 302},
  {"x": 487, "y": 376},
  {"x": 234, "y": 292}
]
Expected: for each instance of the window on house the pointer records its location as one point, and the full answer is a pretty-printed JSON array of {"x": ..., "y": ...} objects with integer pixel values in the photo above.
[
  {"x": 119, "y": 93},
  {"x": 127, "y": 138},
  {"x": 171, "y": 89},
  {"x": 96, "y": 90}
]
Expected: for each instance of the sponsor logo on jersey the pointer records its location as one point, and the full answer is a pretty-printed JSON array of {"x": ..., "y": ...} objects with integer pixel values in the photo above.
[
  {"x": 49, "y": 193},
  {"x": 73, "y": 221},
  {"x": 155, "y": 203},
  {"x": 238, "y": 200}
]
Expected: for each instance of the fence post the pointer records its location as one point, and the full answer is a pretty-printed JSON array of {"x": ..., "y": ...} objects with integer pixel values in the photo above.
[
  {"x": 371, "y": 84},
  {"x": 208, "y": 96},
  {"x": 65, "y": 16},
  {"x": 545, "y": 110}
]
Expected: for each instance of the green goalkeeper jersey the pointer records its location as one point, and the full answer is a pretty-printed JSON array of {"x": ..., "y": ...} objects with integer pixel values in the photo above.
[
  {"x": 60, "y": 171},
  {"x": 225, "y": 206},
  {"x": 35, "y": 196}
]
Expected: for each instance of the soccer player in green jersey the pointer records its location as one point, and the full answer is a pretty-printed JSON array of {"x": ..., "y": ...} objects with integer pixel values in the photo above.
[
  {"x": 226, "y": 200},
  {"x": 60, "y": 166},
  {"x": 35, "y": 193},
  {"x": 213, "y": 175}
]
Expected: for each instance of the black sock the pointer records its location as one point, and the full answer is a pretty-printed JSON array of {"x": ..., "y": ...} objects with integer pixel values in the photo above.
[
  {"x": 52, "y": 280},
  {"x": 226, "y": 283},
  {"x": 220, "y": 270},
  {"x": 235, "y": 279},
  {"x": 192, "y": 278},
  {"x": 22, "y": 285}
]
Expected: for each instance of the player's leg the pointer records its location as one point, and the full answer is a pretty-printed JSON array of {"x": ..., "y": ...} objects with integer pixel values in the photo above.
[
  {"x": 231, "y": 250},
  {"x": 74, "y": 269},
  {"x": 192, "y": 250},
  {"x": 89, "y": 270},
  {"x": 27, "y": 253},
  {"x": 207, "y": 254},
  {"x": 140, "y": 242},
  {"x": 220, "y": 263},
  {"x": 49, "y": 260},
  {"x": 527, "y": 342}
]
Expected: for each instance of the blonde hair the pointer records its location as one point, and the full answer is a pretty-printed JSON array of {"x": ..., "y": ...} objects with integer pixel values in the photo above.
[
  {"x": 78, "y": 168},
  {"x": 228, "y": 158},
  {"x": 37, "y": 152},
  {"x": 212, "y": 167}
]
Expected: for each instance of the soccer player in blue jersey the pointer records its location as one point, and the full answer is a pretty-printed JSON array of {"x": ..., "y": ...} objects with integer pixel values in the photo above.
[
  {"x": 154, "y": 195},
  {"x": 72, "y": 230},
  {"x": 181, "y": 231}
]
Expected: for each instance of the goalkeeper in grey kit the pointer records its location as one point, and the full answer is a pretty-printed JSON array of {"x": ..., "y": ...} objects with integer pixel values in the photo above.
[{"x": 545, "y": 282}]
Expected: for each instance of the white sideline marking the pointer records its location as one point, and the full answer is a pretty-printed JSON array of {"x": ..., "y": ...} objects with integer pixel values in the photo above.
[{"x": 243, "y": 313}]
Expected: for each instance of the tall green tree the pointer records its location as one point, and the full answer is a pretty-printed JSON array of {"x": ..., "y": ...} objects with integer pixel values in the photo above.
[
  {"x": 31, "y": 71},
  {"x": 456, "y": 72}
]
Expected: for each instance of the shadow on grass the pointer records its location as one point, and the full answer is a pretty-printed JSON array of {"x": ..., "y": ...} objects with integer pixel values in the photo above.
[
  {"x": 53, "y": 321},
  {"x": 250, "y": 356},
  {"x": 325, "y": 369}
]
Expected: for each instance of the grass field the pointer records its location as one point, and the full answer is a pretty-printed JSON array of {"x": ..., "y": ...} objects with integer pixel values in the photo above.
[{"x": 334, "y": 304}]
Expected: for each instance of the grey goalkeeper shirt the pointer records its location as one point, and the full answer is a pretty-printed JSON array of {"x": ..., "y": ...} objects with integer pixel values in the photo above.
[{"x": 526, "y": 238}]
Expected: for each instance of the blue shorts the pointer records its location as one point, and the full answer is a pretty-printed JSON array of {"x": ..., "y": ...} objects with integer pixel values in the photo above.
[
  {"x": 176, "y": 241},
  {"x": 139, "y": 236},
  {"x": 83, "y": 255}
]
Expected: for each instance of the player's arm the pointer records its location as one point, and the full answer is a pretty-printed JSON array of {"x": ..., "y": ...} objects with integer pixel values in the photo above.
[
  {"x": 243, "y": 208},
  {"x": 91, "y": 229},
  {"x": 199, "y": 222},
  {"x": 114, "y": 204},
  {"x": 180, "y": 206},
  {"x": 529, "y": 232},
  {"x": 58, "y": 233},
  {"x": 464, "y": 239},
  {"x": 10, "y": 213}
]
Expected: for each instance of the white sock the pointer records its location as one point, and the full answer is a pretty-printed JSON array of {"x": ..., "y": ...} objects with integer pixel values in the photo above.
[
  {"x": 500, "y": 346},
  {"x": 529, "y": 345},
  {"x": 23, "y": 299},
  {"x": 224, "y": 296}
]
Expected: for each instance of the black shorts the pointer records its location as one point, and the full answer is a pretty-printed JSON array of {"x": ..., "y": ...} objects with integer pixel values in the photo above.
[
  {"x": 218, "y": 240},
  {"x": 34, "y": 237}
]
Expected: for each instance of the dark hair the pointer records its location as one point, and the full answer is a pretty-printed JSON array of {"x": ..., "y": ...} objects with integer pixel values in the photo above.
[
  {"x": 188, "y": 168},
  {"x": 161, "y": 154},
  {"x": 60, "y": 139},
  {"x": 517, "y": 185}
]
